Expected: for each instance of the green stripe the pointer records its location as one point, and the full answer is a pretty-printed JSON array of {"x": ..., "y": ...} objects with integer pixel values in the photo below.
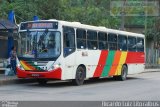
[{"x": 108, "y": 64}]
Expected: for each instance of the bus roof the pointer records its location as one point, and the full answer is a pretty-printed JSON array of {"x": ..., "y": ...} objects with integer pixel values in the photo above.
[{"x": 90, "y": 27}]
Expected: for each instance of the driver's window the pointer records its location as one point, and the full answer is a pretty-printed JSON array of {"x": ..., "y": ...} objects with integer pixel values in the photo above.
[
  {"x": 51, "y": 40},
  {"x": 68, "y": 40}
]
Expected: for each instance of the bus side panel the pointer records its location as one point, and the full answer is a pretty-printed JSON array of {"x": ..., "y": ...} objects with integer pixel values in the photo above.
[
  {"x": 121, "y": 62},
  {"x": 113, "y": 64},
  {"x": 68, "y": 66},
  {"x": 101, "y": 63},
  {"x": 135, "y": 57},
  {"x": 135, "y": 62},
  {"x": 90, "y": 59},
  {"x": 135, "y": 68},
  {"x": 109, "y": 63},
  {"x": 114, "y": 61}
]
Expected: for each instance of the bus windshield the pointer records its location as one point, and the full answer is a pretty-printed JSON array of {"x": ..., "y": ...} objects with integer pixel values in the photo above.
[{"x": 39, "y": 44}]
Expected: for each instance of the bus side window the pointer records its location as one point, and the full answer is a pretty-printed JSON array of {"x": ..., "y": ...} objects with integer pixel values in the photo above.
[
  {"x": 92, "y": 40},
  {"x": 131, "y": 44},
  {"x": 112, "y": 41},
  {"x": 68, "y": 40},
  {"x": 122, "y": 42},
  {"x": 140, "y": 44},
  {"x": 102, "y": 41},
  {"x": 81, "y": 38}
]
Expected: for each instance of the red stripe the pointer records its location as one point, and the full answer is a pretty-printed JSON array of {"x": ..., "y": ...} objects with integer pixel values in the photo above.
[
  {"x": 101, "y": 63},
  {"x": 135, "y": 57}
]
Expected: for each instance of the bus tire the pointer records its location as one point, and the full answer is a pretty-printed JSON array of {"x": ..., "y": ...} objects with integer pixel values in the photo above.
[
  {"x": 80, "y": 76},
  {"x": 123, "y": 76},
  {"x": 42, "y": 81}
]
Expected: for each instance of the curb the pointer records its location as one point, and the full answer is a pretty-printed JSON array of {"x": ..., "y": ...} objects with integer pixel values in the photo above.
[{"x": 151, "y": 70}]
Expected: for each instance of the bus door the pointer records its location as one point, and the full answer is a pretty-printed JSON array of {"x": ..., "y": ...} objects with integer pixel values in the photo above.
[{"x": 68, "y": 52}]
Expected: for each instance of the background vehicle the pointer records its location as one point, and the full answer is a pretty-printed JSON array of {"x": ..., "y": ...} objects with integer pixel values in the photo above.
[{"x": 52, "y": 49}]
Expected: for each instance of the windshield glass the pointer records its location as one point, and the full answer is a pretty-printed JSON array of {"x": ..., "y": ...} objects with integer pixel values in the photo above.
[{"x": 39, "y": 44}]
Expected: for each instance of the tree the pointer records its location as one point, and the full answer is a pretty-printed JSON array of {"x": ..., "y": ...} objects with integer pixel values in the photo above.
[
  {"x": 93, "y": 12},
  {"x": 157, "y": 33}
]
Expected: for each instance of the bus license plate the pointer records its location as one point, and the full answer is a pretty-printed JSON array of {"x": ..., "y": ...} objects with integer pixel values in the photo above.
[{"x": 35, "y": 75}]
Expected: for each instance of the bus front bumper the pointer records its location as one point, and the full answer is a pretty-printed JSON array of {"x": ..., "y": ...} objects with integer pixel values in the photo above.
[{"x": 54, "y": 74}]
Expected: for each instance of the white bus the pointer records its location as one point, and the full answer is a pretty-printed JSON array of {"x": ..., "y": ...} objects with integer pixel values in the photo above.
[{"x": 54, "y": 49}]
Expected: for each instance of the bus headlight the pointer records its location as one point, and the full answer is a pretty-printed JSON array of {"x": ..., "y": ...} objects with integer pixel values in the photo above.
[{"x": 55, "y": 66}]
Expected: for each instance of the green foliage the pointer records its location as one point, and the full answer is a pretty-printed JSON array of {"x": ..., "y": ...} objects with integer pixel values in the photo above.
[
  {"x": 154, "y": 33},
  {"x": 93, "y": 12}
]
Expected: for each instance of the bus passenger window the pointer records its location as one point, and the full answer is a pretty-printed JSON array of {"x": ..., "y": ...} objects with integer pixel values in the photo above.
[
  {"x": 68, "y": 40},
  {"x": 122, "y": 42},
  {"x": 140, "y": 44},
  {"x": 81, "y": 38},
  {"x": 131, "y": 44},
  {"x": 102, "y": 40},
  {"x": 92, "y": 45},
  {"x": 112, "y": 41},
  {"x": 92, "y": 40}
]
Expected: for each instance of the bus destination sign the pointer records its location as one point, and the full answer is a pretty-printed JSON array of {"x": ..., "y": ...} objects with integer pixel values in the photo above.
[{"x": 39, "y": 25}]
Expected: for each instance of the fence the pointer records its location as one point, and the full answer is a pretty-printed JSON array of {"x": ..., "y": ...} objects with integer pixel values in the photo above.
[{"x": 152, "y": 58}]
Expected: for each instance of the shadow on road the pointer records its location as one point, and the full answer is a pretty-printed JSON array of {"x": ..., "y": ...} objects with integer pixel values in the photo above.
[{"x": 58, "y": 84}]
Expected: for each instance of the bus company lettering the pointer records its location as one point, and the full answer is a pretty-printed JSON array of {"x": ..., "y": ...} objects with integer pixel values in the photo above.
[{"x": 84, "y": 53}]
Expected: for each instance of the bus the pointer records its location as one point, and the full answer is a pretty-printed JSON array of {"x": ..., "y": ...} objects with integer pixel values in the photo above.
[{"x": 62, "y": 50}]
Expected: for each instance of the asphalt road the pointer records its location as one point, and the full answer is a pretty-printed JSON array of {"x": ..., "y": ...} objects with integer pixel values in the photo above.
[{"x": 144, "y": 86}]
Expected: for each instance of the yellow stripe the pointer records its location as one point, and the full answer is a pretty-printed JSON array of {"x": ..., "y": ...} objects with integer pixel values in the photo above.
[
  {"x": 121, "y": 62},
  {"x": 25, "y": 66}
]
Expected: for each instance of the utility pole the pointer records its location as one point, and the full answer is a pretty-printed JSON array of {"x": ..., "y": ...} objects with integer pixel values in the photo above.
[
  {"x": 123, "y": 15},
  {"x": 146, "y": 14}
]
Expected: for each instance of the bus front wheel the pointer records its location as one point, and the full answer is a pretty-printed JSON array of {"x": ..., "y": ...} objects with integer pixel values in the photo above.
[{"x": 80, "y": 76}]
